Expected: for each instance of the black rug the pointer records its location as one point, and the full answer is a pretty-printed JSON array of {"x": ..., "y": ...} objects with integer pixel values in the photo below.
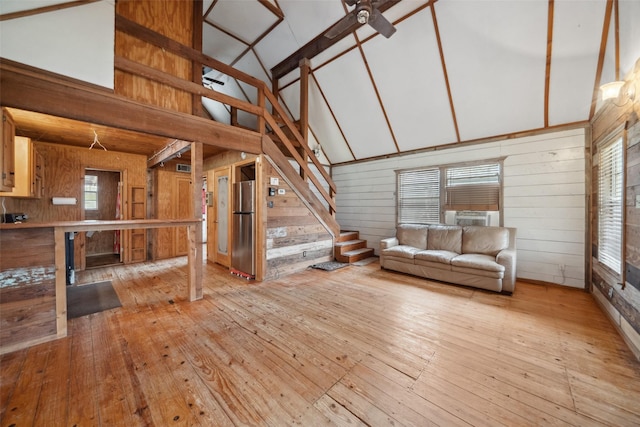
[
  {"x": 87, "y": 299},
  {"x": 329, "y": 265}
]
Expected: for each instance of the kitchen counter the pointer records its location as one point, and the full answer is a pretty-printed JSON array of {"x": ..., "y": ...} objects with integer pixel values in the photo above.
[{"x": 33, "y": 297}]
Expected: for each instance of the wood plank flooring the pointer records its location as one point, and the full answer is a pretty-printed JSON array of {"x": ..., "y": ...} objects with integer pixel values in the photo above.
[{"x": 357, "y": 346}]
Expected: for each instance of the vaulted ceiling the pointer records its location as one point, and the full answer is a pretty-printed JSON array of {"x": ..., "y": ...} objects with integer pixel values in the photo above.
[{"x": 455, "y": 70}]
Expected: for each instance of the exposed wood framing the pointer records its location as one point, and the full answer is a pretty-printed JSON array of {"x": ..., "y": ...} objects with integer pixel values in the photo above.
[
  {"x": 317, "y": 45},
  {"x": 547, "y": 74},
  {"x": 34, "y": 90},
  {"x": 174, "y": 149},
  {"x": 45, "y": 9},
  {"x": 602, "y": 50}
]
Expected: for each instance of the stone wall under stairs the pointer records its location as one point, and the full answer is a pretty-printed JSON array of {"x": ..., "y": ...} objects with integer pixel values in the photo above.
[{"x": 350, "y": 248}]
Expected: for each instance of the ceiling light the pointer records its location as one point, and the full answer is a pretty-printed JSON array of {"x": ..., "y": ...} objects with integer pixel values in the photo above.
[
  {"x": 611, "y": 90},
  {"x": 363, "y": 16}
]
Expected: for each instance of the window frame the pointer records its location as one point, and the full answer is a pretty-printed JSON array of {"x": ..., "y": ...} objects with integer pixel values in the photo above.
[
  {"x": 618, "y": 136},
  {"x": 96, "y": 192},
  {"x": 443, "y": 206}
]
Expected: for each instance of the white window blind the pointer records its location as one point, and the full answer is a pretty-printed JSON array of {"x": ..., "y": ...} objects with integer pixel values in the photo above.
[
  {"x": 91, "y": 192},
  {"x": 419, "y": 197},
  {"x": 610, "y": 205},
  {"x": 475, "y": 188}
]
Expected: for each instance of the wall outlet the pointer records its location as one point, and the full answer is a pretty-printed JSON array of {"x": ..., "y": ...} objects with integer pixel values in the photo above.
[
  {"x": 281, "y": 191},
  {"x": 610, "y": 293},
  {"x": 637, "y": 200}
]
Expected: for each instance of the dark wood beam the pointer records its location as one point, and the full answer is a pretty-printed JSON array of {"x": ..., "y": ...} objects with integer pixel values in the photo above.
[
  {"x": 30, "y": 89},
  {"x": 168, "y": 152},
  {"x": 318, "y": 45}
]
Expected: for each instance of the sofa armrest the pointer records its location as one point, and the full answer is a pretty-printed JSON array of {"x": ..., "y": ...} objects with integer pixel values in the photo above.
[
  {"x": 388, "y": 243},
  {"x": 507, "y": 258}
]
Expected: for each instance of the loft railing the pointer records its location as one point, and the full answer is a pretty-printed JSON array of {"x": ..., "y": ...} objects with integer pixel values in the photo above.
[{"x": 260, "y": 110}]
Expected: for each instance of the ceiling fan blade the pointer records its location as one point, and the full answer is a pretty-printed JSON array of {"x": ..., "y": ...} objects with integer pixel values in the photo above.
[
  {"x": 381, "y": 24},
  {"x": 350, "y": 2},
  {"x": 342, "y": 25}
]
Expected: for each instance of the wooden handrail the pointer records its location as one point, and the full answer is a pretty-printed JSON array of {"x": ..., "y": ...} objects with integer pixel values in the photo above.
[{"x": 263, "y": 94}]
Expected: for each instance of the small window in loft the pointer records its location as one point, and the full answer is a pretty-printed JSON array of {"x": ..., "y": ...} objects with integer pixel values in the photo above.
[{"x": 91, "y": 192}]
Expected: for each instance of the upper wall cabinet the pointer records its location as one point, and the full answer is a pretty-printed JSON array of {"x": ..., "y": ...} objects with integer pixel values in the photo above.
[
  {"x": 29, "y": 170},
  {"x": 7, "y": 162}
]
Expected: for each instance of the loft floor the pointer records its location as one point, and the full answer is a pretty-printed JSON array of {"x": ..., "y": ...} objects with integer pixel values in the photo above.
[{"x": 357, "y": 346}]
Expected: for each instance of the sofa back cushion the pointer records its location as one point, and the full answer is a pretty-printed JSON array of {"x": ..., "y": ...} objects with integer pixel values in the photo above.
[
  {"x": 484, "y": 240},
  {"x": 445, "y": 238},
  {"x": 412, "y": 235}
]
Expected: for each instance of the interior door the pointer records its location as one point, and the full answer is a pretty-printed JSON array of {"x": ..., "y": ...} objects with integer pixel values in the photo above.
[{"x": 220, "y": 218}]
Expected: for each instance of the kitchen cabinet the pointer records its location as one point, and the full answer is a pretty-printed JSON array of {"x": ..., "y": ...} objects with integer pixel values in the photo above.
[
  {"x": 29, "y": 170},
  {"x": 7, "y": 160}
]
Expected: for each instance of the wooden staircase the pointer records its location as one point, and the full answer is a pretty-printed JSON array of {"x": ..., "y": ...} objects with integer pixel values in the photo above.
[{"x": 350, "y": 248}]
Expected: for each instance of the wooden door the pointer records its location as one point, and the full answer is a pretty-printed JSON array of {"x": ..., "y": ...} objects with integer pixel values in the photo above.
[
  {"x": 7, "y": 158},
  {"x": 138, "y": 237},
  {"x": 219, "y": 218},
  {"x": 184, "y": 210}
]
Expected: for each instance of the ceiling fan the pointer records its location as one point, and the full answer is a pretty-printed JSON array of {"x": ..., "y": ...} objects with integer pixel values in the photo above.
[{"x": 366, "y": 12}]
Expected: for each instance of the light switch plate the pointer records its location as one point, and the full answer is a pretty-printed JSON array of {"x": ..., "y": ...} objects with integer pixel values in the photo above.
[
  {"x": 274, "y": 181},
  {"x": 637, "y": 200}
]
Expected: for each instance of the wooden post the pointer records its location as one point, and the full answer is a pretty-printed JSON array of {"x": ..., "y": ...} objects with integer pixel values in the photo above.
[
  {"x": 61, "y": 283},
  {"x": 194, "y": 232},
  {"x": 261, "y": 104},
  {"x": 304, "y": 109},
  {"x": 234, "y": 116}
]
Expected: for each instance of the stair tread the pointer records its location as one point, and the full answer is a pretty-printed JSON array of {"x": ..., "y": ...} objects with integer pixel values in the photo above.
[
  {"x": 357, "y": 251},
  {"x": 349, "y": 242}
]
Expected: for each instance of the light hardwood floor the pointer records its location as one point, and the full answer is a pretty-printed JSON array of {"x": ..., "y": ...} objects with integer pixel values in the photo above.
[{"x": 357, "y": 346}]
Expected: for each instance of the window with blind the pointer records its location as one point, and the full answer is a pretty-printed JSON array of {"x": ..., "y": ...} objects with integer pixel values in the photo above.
[
  {"x": 437, "y": 195},
  {"x": 91, "y": 192},
  {"x": 419, "y": 197},
  {"x": 473, "y": 188},
  {"x": 610, "y": 204}
]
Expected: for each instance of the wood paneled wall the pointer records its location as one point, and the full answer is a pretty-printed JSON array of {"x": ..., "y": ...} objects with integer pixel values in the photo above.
[
  {"x": 172, "y": 19},
  {"x": 622, "y": 303},
  {"x": 64, "y": 168},
  {"x": 295, "y": 239}
]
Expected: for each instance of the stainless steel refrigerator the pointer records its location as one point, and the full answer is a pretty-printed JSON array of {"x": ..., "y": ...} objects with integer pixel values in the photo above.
[{"x": 243, "y": 260}]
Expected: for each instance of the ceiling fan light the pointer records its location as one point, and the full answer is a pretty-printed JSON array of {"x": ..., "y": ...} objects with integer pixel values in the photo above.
[
  {"x": 611, "y": 90},
  {"x": 363, "y": 16}
]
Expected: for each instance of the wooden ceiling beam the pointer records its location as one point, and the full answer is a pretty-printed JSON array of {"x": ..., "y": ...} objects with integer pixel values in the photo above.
[
  {"x": 31, "y": 89},
  {"x": 319, "y": 44},
  {"x": 168, "y": 152}
]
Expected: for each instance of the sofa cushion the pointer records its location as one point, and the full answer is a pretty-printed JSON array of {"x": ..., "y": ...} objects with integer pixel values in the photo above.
[
  {"x": 412, "y": 235},
  {"x": 445, "y": 238},
  {"x": 444, "y": 257},
  {"x": 400, "y": 251},
  {"x": 477, "y": 262},
  {"x": 484, "y": 240}
]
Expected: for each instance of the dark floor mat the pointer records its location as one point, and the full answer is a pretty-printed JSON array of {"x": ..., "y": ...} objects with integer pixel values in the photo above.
[
  {"x": 329, "y": 265},
  {"x": 87, "y": 299}
]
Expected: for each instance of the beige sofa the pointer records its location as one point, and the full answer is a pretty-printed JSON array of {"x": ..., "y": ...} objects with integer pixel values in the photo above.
[{"x": 482, "y": 257}]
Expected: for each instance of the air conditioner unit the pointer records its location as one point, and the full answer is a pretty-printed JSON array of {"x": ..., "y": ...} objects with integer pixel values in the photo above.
[
  {"x": 472, "y": 218},
  {"x": 182, "y": 167}
]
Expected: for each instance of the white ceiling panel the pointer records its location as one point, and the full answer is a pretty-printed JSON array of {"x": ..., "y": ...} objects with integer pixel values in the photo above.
[
  {"x": 495, "y": 52},
  {"x": 217, "y": 110},
  {"x": 246, "y": 19},
  {"x": 325, "y": 128},
  {"x": 291, "y": 98},
  {"x": 309, "y": 18},
  {"x": 12, "y": 6},
  {"x": 348, "y": 88},
  {"x": 629, "y": 35},
  {"x": 277, "y": 45},
  {"x": 408, "y": 73},
  {"x": 343, "y": 45},
  {"x": 219, "y": 45},
  {"x": 574, "y": 59}
]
